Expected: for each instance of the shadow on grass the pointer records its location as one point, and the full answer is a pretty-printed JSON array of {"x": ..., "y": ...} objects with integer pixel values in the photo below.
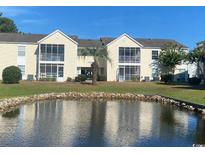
[
  {"x": 200, "y": 87},
  {"x": 184, "y": 86}
]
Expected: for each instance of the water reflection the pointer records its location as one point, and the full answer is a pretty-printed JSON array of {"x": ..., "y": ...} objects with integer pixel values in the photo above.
[
  {"x": 111, "y": 123},
  {"x": 200, "y": 137},
  {"x": 11, "y": 114}
]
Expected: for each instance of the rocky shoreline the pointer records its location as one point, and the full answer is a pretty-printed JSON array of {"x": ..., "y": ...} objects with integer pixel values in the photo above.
[{"x": 11, "y": 103}]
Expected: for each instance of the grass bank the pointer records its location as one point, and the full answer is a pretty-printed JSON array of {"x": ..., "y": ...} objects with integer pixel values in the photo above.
[{"x": 183, "y": 92}]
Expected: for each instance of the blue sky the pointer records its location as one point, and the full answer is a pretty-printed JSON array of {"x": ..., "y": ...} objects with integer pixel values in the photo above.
[{"x": 184, "y": 24}]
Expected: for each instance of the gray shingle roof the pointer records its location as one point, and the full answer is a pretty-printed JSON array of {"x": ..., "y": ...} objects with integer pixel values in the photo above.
[
  {"x": 34, "y": 38},
  {"x": 106, "y": 40},
  {"x": 157, "y": 42},
  {"x": 88, "y": 43},
  {"x": 20, "y": 37},
  {"x": 146, "y": 42}
]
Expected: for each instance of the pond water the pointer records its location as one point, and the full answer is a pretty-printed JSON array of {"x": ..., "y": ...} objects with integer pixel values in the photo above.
[{"x": 105, "y": 123}]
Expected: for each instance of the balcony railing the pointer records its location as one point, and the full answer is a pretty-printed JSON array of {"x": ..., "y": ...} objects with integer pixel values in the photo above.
[
  {"x": 51, "y": 58},
  {"x": 129, "y": 59}
]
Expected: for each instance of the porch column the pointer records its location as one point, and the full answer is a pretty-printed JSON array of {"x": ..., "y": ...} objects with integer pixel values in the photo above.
[{"x": 39, "y": 53}]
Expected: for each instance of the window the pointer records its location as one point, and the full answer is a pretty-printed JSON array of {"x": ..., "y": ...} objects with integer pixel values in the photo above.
[
  {"x": 49, "y": 52},
  {"x": 102, "y": 70},
  {"x": 22, "y": 68},
  {"x": 55, "y": 52},
  {"x": 182, "y": 75},
  {"x": 129, "y": 55},
  {"x": 52, "y": 52},
  {"x": 43, "y": 52},
  {"x": 21, "y": 50},
  {"x": 154, "y": 54},
  {"x": 61, "y": 52},
  {"x": 60, "y": 70}
]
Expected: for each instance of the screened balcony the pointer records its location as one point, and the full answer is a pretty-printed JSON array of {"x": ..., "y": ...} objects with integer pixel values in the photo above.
[
  {"x": 129, "y": 55},
  {"x": 51, "y": 52}
]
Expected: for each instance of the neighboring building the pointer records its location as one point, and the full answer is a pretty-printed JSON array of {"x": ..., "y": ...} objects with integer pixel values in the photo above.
[{"x": 58, "y": 55}]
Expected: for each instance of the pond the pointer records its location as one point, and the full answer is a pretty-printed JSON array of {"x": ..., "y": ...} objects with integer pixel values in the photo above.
[{"x": 100, "y": 123}]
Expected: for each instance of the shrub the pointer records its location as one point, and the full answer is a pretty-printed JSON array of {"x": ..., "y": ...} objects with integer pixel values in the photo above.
[
  {"x": 167, "y": 78},
  {"x": 88, "y": 77},
  {"x": 47, "y": 79},
  {"x": 69, "y": 79},
  {"x": 194, "y": 81},
  {"x": 11, "y": 74},
  {"x": 52, "y": 79},
  {"x": 102, "y": 78},
  {"x": 80, "y": 78},
  {"x": 135, "y": 78}
]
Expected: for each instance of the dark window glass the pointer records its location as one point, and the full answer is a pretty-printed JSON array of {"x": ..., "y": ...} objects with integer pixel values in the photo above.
[
  {"x": 61, "y": 52},
  {"x": 43, "y": 48},
  {"x": 54, "y": 70},
  {"x": 127, "y": 51},
  {"x": 55, "y": 53},
  {"x": 154, "y": 54},
  {"x": 48, "y": 69}
]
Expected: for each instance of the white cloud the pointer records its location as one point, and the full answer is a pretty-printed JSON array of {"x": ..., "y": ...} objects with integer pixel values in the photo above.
[
  {"x": 34, "y": 21},
  {"x": 15, "y": 11}
]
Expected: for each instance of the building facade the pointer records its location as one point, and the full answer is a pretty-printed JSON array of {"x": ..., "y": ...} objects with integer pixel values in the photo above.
[{"x": 57, "y": 55}]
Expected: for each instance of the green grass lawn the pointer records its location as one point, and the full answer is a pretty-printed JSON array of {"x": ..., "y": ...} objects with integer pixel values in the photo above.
[{"x": 183, "y": 92}]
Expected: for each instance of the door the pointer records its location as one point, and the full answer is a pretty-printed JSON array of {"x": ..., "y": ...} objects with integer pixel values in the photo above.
[
  {"x": 60, "y": 76},
  {"x": 121, "y": 74}
]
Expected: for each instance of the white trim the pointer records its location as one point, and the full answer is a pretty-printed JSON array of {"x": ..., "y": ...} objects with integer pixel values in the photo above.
[
  {"x": 57, "y": 31},
  {"x": 159, "y": 48},
  {"x": 153, "y": 48},
  {"x": 131, "y": 64},
  {"x": 52, "y": 62},
  {"x": 21, "y": 45},
  {"x": 127, "y": 37}
]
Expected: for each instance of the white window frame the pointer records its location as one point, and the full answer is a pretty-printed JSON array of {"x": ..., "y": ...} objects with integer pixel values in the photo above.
[
  {"x": 22, "y": 70},
  {"x": 21, "y": 51}
]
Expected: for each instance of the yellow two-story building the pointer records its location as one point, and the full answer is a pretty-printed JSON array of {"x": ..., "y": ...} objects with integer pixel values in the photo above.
[{"x": 57, "y": 55}]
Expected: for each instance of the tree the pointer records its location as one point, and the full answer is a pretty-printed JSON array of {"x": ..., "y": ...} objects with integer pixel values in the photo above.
[
  {"x": 171, "y": 55},
  {"x": 7, "y": 25},
  {"x": 98, "y": 53},
  {"x": 198, "y": 56}
]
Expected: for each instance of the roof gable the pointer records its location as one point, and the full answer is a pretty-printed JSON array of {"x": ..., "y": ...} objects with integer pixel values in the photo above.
[
  {"x": 124, "y": 35},
  {"x": 57, "y": 31}
]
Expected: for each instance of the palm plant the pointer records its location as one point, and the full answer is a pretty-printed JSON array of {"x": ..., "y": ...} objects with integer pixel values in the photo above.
[
  {"x": 198, "y": 56},
  {"x": 99, "y": 53}
]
